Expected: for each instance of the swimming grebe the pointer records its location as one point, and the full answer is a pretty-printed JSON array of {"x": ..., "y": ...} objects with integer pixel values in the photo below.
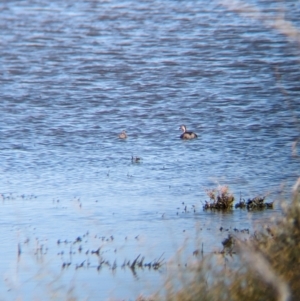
[
  {"x": 187, "y": 134},
  {"x": 135, "y": 159},
  {"x": 123, "y": 135}
]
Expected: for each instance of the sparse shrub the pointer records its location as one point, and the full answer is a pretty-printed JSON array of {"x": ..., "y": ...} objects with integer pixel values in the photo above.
[{"x": 220, "y": 198}]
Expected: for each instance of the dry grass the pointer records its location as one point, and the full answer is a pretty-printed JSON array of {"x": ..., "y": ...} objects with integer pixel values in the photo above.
[
  {"x": 266, "y": 267},
  {"x": 220, "y": 198}
]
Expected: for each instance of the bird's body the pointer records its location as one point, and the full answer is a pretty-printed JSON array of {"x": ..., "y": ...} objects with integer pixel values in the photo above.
[
  {"x": 187, "y": 135},
  {"x": 135, "y": 159},
  {"x": 123, "y": 135}
]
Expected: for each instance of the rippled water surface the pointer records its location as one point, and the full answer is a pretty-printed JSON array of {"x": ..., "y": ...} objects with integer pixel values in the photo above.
[{"x": 74, "y": 74}]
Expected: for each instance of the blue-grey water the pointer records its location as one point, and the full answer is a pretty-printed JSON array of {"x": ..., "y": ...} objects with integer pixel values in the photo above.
[{"x": 74, "y": 74}]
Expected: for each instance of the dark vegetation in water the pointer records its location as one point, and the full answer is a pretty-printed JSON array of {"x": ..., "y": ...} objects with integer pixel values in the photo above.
[
  {"x": 75, "y": 247},
  {"x": 222, "y": 199},
  {"x": 255, "y": 203}
]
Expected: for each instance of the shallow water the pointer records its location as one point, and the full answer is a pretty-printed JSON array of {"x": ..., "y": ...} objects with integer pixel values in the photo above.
[{"x": 74, "y": 75}]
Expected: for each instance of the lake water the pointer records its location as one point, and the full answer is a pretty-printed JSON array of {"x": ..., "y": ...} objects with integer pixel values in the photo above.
[{"x": 74, "y": 75}]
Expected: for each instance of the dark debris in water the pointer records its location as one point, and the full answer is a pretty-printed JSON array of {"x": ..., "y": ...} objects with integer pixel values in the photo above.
[
  {"x": 137, "y": 263},
  {"x": 11, "y": 196},
  {"x": 99, "y": 254},
  {"x": 221, "y": 199},
  {"x": 255, "y": 203}
]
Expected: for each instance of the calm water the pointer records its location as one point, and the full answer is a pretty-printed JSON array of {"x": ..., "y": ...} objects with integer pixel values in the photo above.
[{"x": 74, "y": 75}]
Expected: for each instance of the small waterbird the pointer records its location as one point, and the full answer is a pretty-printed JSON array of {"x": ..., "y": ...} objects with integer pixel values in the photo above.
[
  {"x": 123, "y": 135},
  {"x": 187, "y": 134},
  {"x": 135, "y": 159}
]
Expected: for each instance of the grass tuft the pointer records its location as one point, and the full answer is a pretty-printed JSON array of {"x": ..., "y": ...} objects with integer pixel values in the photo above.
[{"x": 220, "y": 198}]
